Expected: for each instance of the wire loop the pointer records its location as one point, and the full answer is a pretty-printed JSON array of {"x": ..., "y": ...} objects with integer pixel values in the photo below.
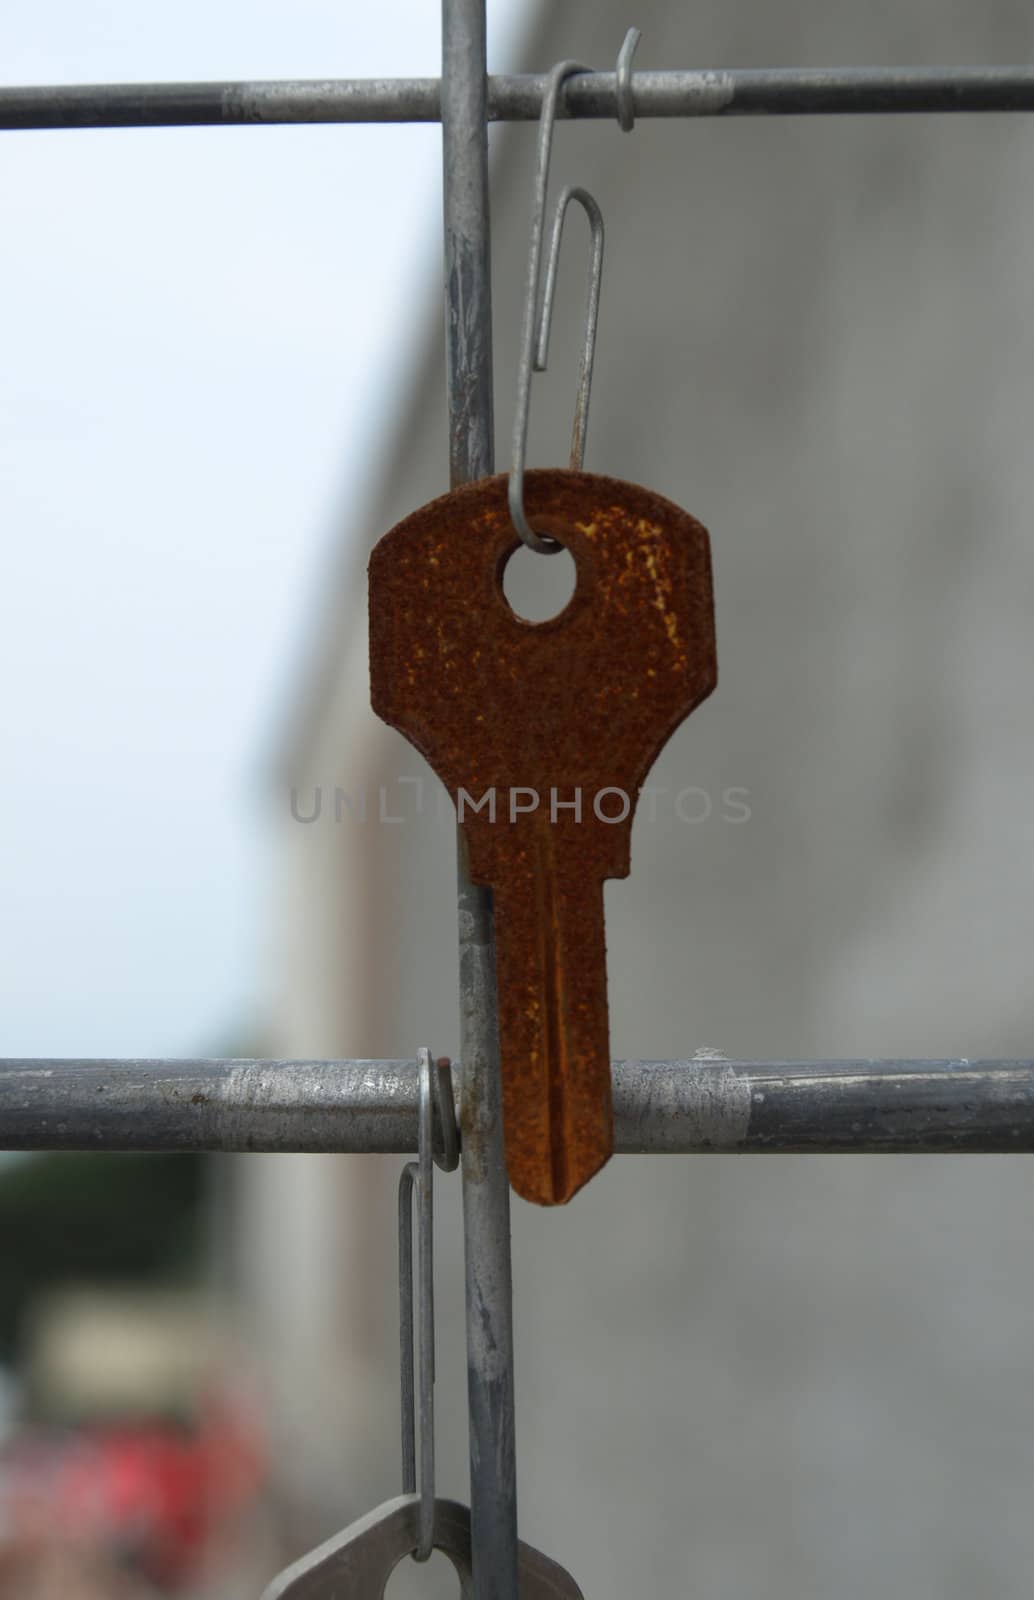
[
  {"x": 418, "y": 1177},
  {"x": 532, "y": 357},
  {"x": 592, "y": 310},
  {"x": 448, "y": 1158},
  {"x": 623, "y": 87}
]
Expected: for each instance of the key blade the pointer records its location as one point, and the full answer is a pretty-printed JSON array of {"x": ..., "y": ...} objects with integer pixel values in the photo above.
[{"x": 554, "y": 1045}]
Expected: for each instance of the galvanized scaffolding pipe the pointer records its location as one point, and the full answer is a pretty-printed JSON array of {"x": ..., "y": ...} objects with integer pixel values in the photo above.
[
  {"x": 486, "y": 1193},
  {"x": 660, "y": 1107},
  {"x": 746, "y": 92}
]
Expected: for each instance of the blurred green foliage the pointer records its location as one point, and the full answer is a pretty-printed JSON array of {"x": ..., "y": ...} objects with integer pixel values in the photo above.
[{"x": 76, "y": 1218}]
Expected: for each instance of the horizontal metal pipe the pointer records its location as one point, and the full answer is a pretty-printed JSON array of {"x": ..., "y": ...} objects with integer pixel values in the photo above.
[
  {"x": 660, "y": 1107},
  {"x": 781, "y": 91}
]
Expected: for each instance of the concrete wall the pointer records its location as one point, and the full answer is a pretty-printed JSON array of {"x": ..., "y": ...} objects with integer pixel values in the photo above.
[{"x": 774, "y": 1376}]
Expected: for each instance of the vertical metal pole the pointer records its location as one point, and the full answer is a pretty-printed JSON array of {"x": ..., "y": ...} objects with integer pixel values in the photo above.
[{"x": 486, "y": 1194}]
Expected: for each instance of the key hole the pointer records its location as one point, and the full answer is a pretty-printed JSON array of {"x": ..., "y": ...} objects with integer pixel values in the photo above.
[
  {"x": 433, "y": 1579},
  {"x": 539, "y": 587}
]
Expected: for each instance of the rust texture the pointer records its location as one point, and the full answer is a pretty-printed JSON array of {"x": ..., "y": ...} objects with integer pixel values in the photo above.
[{"x": 542, "y": 726}]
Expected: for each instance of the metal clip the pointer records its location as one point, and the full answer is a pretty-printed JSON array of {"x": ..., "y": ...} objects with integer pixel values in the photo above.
[
  {"x": 592, "y": 311},
  {"x": 533, "y": 350},
  {"x": 623, "y": 84},
  {"x": 445, "y": 1110},
  {"x": 435, "y": 1095}
]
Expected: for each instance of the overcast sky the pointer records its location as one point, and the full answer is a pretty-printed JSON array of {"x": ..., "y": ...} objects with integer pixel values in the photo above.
[{"x": 202, "y": 331}]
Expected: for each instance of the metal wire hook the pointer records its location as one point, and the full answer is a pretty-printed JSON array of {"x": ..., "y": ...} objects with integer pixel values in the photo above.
[
  {"x": 592, "y": 311},
  {"x": 532, "y": 357},
  {"x": 623, "y": 86},
  {"x": 418, "y": 1176},
  {"x": 445, "y": 1107}
]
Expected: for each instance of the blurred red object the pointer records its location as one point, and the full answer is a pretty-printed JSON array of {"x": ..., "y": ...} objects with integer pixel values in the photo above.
[{"x": 156, "y": 1495}]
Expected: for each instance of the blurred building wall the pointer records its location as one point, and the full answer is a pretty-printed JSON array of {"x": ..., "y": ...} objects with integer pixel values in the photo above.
[{"x": 798, "y": 1377}]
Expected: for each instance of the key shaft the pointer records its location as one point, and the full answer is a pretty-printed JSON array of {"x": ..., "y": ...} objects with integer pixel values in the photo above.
[{"x": 551, "y": 961}]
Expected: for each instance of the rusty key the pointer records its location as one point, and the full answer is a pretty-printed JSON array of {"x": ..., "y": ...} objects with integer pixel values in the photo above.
[{"x": 543, "y": 734}]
